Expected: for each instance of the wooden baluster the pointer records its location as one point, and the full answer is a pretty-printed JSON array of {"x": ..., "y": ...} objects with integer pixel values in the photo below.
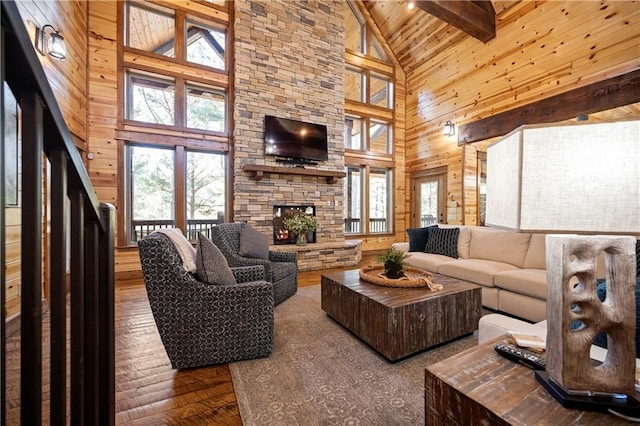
[
  {"x": 106, "y": 331},
  {"x": 31, "y": 255},
  {"x": 58, "y": 285},
  {"x": 92, "y": 304},
  {"x": 77, "y": 307}
]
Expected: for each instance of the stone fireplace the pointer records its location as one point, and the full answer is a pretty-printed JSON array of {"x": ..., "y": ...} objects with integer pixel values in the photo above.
[
  {"x": 306, "y": 86},
  {"x": 284, "y": 236}
]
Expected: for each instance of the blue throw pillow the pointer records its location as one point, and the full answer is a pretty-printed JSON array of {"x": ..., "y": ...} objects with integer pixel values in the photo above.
[
  {"x": 443, "y": 241},
  {"x": 418, "y": 238},
  {"x": 601, "y": 338}
]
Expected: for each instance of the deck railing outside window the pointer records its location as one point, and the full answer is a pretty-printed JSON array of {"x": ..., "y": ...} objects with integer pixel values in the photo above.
[
  {"x": 142, "y": 228},
  {"x": 353, "y": 225}
]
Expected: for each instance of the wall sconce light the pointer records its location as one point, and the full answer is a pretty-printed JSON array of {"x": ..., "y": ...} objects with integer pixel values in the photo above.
[
  {"x": 449, "y": 128},
  {"x": 411, "y": 5},
  {"x": 55, "y": 47}
]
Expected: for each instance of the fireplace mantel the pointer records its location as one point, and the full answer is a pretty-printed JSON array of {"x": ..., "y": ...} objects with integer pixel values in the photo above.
[{"x": 257, "y": 172}]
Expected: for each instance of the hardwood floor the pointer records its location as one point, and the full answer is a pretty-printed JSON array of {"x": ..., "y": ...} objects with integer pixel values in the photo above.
[{"x": 148, "y": 390}]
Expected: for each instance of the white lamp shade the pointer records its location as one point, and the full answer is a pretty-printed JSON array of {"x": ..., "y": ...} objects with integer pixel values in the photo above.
[{"x": 577, "y": 178}]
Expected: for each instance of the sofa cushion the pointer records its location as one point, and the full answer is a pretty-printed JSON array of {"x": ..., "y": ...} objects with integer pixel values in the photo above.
[
  {"x": 211, "y": 265},
  {"x": 427, "y": 261},
  {"x": 536, "y": 253},
  {"x": 443, "y": 241},
  {"x": 418, "y": 238},
  {"x": 499, "y": 245},
  {"x": 253, "y": 243},
  {"x": 474, "y": 270},
  {"x": 530, "y": 282}
]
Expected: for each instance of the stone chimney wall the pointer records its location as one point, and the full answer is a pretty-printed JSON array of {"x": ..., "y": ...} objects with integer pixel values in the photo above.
[{"x": 289, "y": 58}]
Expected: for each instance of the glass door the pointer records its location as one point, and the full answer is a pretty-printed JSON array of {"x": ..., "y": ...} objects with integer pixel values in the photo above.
[{"x": 429, "y": 200}]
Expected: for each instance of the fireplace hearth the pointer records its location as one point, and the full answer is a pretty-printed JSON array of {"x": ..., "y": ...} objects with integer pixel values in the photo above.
[{"x": 284, "y": 236}]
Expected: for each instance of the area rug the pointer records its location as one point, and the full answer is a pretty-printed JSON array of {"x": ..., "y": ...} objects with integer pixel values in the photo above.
[{"x": 321, "y": 374}]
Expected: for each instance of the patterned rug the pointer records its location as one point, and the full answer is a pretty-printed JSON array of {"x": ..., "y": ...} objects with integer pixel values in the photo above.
[{"x": 321, "y": 374}]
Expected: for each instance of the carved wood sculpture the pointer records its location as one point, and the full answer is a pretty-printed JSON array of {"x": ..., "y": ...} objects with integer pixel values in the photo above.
[{"x": 568, "y": 361}]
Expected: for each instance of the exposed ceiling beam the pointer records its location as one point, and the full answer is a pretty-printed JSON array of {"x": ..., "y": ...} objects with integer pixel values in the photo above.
[
  {"x": 476, "y": 18},
  {"x": 603, "y": 95}
]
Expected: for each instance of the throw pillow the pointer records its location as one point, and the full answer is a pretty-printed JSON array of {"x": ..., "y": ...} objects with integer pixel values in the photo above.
[
  {"x": 211, "y": 265},
  {"x": 253, "y": 243},
  {"x": 443, "y": 241},
  {"x": 638, "y": 258},
  {"x": 601, "y": 338},
  {"x": 418, "y": 238}
]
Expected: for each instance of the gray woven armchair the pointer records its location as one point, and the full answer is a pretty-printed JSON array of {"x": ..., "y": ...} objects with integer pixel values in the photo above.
[
  {"x": 203, "y": 324},
  {"x": 281, "y": 269}
]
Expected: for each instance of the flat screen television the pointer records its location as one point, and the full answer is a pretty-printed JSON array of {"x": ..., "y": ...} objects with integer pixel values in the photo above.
[{"x": 295, "y": 141}]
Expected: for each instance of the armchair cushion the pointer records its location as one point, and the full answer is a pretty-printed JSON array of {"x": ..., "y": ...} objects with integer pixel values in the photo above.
[
  {"x": 211, "y": 265},
  {"x": 253, "y": 243},
  {"x": 282, "y": 270}
]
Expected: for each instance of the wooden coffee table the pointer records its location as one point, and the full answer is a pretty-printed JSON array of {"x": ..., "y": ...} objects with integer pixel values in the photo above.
[
  {"x": 478, "y": 386},
  {"x": 398, "y": 322}
]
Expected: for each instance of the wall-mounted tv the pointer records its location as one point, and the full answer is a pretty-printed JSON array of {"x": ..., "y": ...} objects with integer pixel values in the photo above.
[{"x": 295, "y": 141}]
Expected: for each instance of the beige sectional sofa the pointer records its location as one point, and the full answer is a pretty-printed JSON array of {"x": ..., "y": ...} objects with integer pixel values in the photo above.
[{"x": 509, "y": 266}]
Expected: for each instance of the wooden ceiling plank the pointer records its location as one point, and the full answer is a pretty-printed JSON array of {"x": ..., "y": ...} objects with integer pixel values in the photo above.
[{"x": 476, "y": 18}]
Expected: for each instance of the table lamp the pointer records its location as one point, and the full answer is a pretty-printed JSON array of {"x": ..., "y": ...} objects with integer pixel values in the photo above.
[{"x": 582, "y": 179}]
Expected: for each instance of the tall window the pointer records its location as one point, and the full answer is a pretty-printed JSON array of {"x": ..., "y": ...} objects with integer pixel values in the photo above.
[
  {"x": 367, "y": 189},
  {"x": 174, "y": 95},
  {"x": 205, "y": 109},
  {"x": 353, "y": 133},
  {"x": 353, "y": 200},
  {"x": 355, "y": 82},
  {"x": 174, "y": 187},
  {"x": 205, "y": 45},
  {"x": 368, "y": 129},
  {"x": 175, "y": 108},
  {"x": 379, "y": 200},
  {"x": 150, "y": 29},
  {"x": 151, "y": 99}
]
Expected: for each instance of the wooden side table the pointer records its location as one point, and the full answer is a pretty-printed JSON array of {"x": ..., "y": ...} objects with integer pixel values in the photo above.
[{"x": 478, "y": 386}]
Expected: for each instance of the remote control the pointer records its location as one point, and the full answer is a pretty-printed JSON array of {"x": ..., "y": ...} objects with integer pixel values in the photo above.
[{"x": 523, "y": 356}]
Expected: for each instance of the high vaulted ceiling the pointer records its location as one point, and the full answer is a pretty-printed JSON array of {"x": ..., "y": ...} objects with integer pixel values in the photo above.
[{"x": 415, "y": 36}]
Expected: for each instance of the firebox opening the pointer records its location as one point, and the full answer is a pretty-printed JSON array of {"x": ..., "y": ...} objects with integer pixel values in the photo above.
[{"x": 284, "y": 236}]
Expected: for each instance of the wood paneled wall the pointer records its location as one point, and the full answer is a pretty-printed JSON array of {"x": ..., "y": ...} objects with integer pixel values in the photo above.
[
  {"x": 541, "y": 49},
  {"x": 68, "y": 78}
]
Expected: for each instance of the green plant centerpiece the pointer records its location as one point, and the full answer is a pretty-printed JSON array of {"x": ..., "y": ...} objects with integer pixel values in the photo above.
[
  {"x": 300, "y": 223},
  {"x": 393, "y": 260}
]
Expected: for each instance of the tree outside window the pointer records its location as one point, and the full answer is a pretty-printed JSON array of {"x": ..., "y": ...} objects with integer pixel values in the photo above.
[{"x": 154, "y": 195}]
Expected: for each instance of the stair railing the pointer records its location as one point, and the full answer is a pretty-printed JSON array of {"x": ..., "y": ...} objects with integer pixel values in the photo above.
[{"x": 78, "y": 221}]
